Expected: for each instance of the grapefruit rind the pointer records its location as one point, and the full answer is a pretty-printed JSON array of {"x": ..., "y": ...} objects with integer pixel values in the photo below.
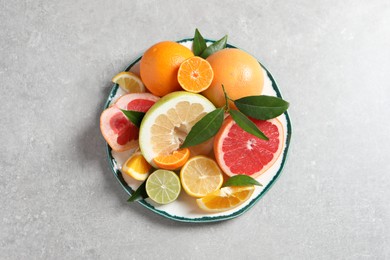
[
  {"x": 222, "y": 134},
  {"x": 159, "y": 110},
  {"x": 108, "y": 134}
]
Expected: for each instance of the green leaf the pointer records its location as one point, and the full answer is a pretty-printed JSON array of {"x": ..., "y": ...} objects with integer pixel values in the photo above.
[
  {"x": 134, "y": 116},
  {"x": 246, "y": 124},
  {"x": 241, "y": 180},
  {"x": 261, "y": 107},
  {"x": 216, "y": 46},
  {"x": 199, "y": 44},
  {"x": 140, "y": 193},
  {"x": 205, "y": 128}
]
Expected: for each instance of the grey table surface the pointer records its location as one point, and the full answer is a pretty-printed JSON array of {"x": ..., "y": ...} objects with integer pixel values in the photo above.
[{"x": 58, "y": 197}]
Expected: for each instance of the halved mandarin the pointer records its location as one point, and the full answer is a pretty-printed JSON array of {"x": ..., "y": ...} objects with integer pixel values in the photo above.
[{"x": 195, "y": 74}]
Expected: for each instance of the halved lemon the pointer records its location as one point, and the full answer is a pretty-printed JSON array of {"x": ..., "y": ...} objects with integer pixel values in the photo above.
[
  {"x": 167, "y": 123},
  {"x": 200, "y": 176},
  {"x": 129, "y": 82},
  {"x": 225, "y": 198}
]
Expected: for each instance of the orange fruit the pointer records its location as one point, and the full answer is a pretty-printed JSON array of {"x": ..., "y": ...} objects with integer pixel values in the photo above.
[
  {"x": 225, "y": 198},
  {"x": 239, "y": 72},
  {"x": 195, "y": 74},
  {"x": 116, "y": 128},
  {"x": 238, "y": 152},
  {"x": 200, "y": 176},
  {"x": 174, "y": 160},
  {"x": 137, "y": 167},
  {"x": 160, "y": 64}
]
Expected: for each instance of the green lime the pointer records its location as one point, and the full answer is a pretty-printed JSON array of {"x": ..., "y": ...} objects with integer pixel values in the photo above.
[{"x": 163, "y": 186}]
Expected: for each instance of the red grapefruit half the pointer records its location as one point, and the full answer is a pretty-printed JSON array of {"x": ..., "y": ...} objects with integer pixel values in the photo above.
[
  {"x": 238, "y": 152},
  {"x": 116, "y": 128}
]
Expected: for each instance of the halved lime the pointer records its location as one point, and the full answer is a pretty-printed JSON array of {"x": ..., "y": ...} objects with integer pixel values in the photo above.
[{"x": 163, "y": 186}]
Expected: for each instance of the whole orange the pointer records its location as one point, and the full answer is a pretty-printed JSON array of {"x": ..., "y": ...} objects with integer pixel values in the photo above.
[
  {"x": 159, "y": 66},
  {"x": 239, "y": 72}
]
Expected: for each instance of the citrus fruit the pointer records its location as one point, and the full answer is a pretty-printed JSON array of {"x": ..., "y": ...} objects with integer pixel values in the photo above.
[
  {"x": 238, "y": 71},
  {"x": 195, "y": 74},
  {"x": 167, "y": 123},
  {"x": 137, "y": 167},
  {"x": 116, "y": 128},
  {"x": 160, "y": 64},
  {"x": 239, "y": 152},
  {"x": 129, "y": 82},
  {"x": 174, "y": 160},
  {"x": 225, "y": 198},
  {"x": 200, "y": 176},
  {"x": 163, "y": 186}
]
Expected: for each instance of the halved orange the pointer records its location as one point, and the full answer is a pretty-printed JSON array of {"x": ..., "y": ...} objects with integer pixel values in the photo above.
[
  {"x": 174, "y": 160},
  {"x": 225, "y": 198},
  {"x": 195, "y": 74}
]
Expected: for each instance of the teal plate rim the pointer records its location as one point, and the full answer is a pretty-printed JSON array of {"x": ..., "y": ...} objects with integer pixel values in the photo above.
[{"x": 203, "y": 219}]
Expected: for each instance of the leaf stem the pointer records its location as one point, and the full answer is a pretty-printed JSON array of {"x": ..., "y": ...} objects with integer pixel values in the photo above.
[{"x": 227, "y": 98}]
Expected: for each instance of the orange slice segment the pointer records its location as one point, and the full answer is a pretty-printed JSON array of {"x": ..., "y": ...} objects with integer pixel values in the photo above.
[
  {"x": 173, "y": 160},
  {"x": 129, "y": 82},
  {"x": 195, "y": 74},
  {"x": 137, "y": 167},
  {"x": 200, "y": 176},
  {"x": 225, "y": 198}
]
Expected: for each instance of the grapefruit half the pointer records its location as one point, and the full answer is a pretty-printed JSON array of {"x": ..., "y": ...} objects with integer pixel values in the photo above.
[
  {"x": 238, "y": 152},
  {"x": 116, "y": 128}
]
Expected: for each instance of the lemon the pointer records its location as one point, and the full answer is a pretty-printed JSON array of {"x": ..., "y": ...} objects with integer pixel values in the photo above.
[
  {"x": 129, "y": 82},
  {"x": 167, "y": 123},
  {"x": 201, "y": 176},
  {"x": 163, "y": 186}
]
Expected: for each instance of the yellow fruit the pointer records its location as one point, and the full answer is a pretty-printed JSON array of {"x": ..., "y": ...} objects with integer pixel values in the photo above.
[
  {"x": 137, "y": 167},
  {"x": 160, "y": 64},
  {"x": 225, "y": 198},
  {"x": 168, "y": 122},
  {"x": 200, "y": 176},
  {"x": 129, "y": 82},
  {"x": 239, "y": 72}
]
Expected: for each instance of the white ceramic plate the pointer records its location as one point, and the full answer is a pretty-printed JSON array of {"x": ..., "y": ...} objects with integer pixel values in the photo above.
[{"x": 185, "y": 208}]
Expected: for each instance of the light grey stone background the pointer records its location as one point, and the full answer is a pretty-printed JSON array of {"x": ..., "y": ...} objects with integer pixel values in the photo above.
[{"x": 58, "y": 197}]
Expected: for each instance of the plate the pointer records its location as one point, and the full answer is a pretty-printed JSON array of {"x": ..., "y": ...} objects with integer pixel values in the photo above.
[{"x": 185, "y": 209}]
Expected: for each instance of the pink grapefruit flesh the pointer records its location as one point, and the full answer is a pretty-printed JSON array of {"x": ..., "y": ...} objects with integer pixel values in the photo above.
[
  {"x": 238, "y": 152},
  {"x": 116, "y": 128}
]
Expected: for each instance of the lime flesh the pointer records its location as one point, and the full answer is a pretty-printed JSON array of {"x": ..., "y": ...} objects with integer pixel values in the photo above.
[{"x": 163, "y": 186}]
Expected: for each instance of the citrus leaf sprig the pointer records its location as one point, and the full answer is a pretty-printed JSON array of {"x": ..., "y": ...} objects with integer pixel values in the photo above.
[
  {"x": 200, "y": 48},
  {"x": 241, "y": 180},
  {"x": 258, "y": 107},
  {"x": 134, "y": 116},
  {"x": 139, "y": 193}
]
